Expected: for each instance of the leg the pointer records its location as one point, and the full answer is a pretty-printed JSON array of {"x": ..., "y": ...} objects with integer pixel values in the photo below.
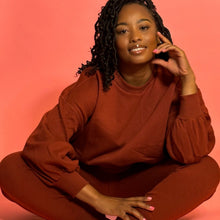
[
  {"x": 177, "y": 191},
  {"x": 20, "y": 185}
]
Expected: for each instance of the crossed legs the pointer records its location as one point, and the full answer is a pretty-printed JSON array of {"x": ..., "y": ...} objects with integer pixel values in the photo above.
[{"x": 175, "y": 189}]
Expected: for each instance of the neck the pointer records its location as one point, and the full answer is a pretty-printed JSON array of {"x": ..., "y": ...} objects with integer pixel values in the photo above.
[{"x": 136, "y": 75}]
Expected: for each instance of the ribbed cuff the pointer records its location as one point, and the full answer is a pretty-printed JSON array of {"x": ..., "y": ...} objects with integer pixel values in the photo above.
[
  {"x": 71, "y": 183},
  {"x": 190, "y": 106}
]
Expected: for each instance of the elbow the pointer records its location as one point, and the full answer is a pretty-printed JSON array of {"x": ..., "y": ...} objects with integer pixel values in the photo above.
[
  {"x": 186, "y": 153},
  {"x": 26, "y": 155},
  {"x": 188, "y": 160},
  {"x": 185, "y": 157}
]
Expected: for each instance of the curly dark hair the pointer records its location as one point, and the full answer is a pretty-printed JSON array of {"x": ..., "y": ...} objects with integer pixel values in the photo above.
[{"x": 104, "y": 54}]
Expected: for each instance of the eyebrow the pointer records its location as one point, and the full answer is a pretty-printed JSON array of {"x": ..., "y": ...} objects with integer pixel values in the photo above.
[{"x": 143, "y": 19}]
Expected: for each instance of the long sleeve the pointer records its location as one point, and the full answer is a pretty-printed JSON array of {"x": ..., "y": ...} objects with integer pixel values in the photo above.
[
  {"x": 48, "y": 150},
  {"x": 189, "y": 133}
]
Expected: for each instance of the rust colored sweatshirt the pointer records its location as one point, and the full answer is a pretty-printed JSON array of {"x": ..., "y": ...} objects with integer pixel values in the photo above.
[{"x": 113, "y": 130}]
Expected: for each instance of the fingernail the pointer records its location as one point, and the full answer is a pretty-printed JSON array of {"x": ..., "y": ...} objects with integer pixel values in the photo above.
[
  {"x": 149, "y": 198},
  {"x": 144, "y": 219},
  {"x": 155, "y": 51},
  {"x": 151, "y": 208}
]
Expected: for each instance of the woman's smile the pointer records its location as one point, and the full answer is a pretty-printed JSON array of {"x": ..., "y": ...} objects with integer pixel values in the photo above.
[
  {"x": 135, "y": 35},
  {"x": 137, "y": 49}
]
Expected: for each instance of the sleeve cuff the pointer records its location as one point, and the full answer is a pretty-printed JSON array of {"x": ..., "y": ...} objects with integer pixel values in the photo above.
[
  {"x": 71, "y": 183},
  {"x": 190, "y": 106}
]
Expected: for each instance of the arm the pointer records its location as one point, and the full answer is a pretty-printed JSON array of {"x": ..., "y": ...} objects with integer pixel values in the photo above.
[
  {"x": 189, "y": 132},
  {"x": 54, "y": 160},
  {"x": 48, "y": 151}
]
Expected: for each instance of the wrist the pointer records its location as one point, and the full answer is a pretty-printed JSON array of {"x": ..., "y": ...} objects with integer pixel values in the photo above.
[
  {"x": 188, "y": 84},
  {"x": 190, "y": 76},
  {"x": 89, "y": 195}
]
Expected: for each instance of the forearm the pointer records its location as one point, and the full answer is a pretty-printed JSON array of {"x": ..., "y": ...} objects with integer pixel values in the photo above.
[
  {"x": 188, "y": 84},
  {"x": 89, "y": 195}
]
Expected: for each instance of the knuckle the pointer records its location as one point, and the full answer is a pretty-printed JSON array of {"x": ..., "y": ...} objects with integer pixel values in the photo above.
[
  {"x": 134, "y": 212},
  {"x": 125, "y": 217},
  {"x": 139, "y": 203},
  {"x": 122, "y": 215}
]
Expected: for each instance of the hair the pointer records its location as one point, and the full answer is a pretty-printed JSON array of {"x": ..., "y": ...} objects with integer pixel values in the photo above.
[{"x": 104, "y": 53}]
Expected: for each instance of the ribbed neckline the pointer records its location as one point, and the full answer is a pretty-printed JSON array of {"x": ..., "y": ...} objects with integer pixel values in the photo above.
[{"x": 122, "y": 83}]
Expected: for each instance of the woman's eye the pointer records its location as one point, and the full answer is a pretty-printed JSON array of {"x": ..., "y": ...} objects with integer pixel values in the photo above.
[
  {"x": 144, "y": 27},
  {"x": 123, "y": 31}
]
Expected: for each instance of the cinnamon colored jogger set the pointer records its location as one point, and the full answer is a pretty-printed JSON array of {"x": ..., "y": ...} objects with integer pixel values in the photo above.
[
  {"x": 175, "y": 189},
  {"x": 129, "y": 141}
]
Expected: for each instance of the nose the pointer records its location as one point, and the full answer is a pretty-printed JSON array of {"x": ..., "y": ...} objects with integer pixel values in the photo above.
[{"x": 135, "y": 36}]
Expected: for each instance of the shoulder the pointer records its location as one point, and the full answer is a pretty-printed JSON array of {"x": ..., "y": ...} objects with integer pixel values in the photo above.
[{"x": 84, "y": 89}]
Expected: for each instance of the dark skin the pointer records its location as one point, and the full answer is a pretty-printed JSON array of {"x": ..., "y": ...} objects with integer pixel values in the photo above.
[
  {"x": 136, "y": 28},
  {"x": 136, "y": 39},
  {"x": 137, "y": 42}
]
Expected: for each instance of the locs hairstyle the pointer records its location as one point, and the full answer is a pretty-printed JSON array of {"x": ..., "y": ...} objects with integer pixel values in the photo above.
[{"x": 104, "y": 54}]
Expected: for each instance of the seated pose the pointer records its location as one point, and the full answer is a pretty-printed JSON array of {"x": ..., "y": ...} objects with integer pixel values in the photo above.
[{"x": 130, "y": 138}]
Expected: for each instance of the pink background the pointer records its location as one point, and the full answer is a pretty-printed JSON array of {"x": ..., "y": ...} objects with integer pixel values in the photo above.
[{"x": 43, "y": 42}]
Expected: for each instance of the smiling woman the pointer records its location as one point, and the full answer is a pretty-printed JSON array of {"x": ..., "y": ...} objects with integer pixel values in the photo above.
[
  {"x": 136, "y": 38},
  {"x": 138, "y": 28},
  {"x": 128, "y": 139}
]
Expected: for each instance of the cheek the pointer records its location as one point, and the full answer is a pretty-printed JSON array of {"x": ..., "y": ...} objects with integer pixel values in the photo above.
[
  {"x": 152, "y": 43},
  {"x": 151, "y": 37},
  {"x": 121, "y": 48},
  {"x": 120, "y": 43}
]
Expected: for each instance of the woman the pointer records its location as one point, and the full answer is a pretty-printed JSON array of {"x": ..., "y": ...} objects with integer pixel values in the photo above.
[{"x": 130, "y": 138}]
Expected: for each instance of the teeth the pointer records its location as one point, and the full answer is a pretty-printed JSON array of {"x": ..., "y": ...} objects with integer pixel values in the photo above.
[{"x": 137, "y": 49}]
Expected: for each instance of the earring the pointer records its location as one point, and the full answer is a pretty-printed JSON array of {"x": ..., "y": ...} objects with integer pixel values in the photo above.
[{"x": 160, "y": 43}]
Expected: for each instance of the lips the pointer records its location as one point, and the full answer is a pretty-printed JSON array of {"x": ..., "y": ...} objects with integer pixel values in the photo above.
[{"x": 137, "y": 49}]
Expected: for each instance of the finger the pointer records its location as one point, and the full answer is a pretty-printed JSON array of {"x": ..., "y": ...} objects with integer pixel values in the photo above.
[
  {"x": 126, "y": 217},
  {"x": 135, "y": 213},
  {"x": 174, "y": 49},
  {"x": 139, "y": 198},
  {"x": 165, "y": 48},
  {"x": 142, "y": 205},
  {"x": 163, "y": 45},
  {"x": 168, "y": 46},
  {"x": 163, "y": 38},
  {"x": 160, "y": 62}
]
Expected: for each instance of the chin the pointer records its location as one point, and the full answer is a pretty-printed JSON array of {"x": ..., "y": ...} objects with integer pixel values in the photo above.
[
  {"x": 140, "y": 61},
  {"x": 136, "y": 60}
]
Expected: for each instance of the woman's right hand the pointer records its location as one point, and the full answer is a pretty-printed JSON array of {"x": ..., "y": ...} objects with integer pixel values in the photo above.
[{"x": 121, "y": 207}]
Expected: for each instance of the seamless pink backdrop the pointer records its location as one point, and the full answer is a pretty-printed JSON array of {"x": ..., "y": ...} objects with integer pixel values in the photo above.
[{"x": 43, "y": 42}]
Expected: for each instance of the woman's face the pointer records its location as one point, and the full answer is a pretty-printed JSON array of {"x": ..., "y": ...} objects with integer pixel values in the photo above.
[{"x": 135, "y": 35}]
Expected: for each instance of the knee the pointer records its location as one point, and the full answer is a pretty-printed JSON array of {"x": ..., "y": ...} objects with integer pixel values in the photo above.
[
  {"x": 8, "y": 167},
  {"x": 211, "y": 171}
]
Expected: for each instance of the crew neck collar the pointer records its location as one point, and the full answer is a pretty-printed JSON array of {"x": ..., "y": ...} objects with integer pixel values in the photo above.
[{"x": 122, "y": 83}]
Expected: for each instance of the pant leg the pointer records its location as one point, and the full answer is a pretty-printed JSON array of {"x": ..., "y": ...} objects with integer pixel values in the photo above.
[
  {"x": 176, "y": 189},
  {"x": 19, "y": 184}
]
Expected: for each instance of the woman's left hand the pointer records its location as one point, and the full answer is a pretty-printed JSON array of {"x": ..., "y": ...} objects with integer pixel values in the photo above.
[{"x": 177, "y": 63}]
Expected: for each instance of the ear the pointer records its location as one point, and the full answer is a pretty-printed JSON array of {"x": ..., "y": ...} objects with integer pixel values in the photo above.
[{"x": 159, "y": 41}]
